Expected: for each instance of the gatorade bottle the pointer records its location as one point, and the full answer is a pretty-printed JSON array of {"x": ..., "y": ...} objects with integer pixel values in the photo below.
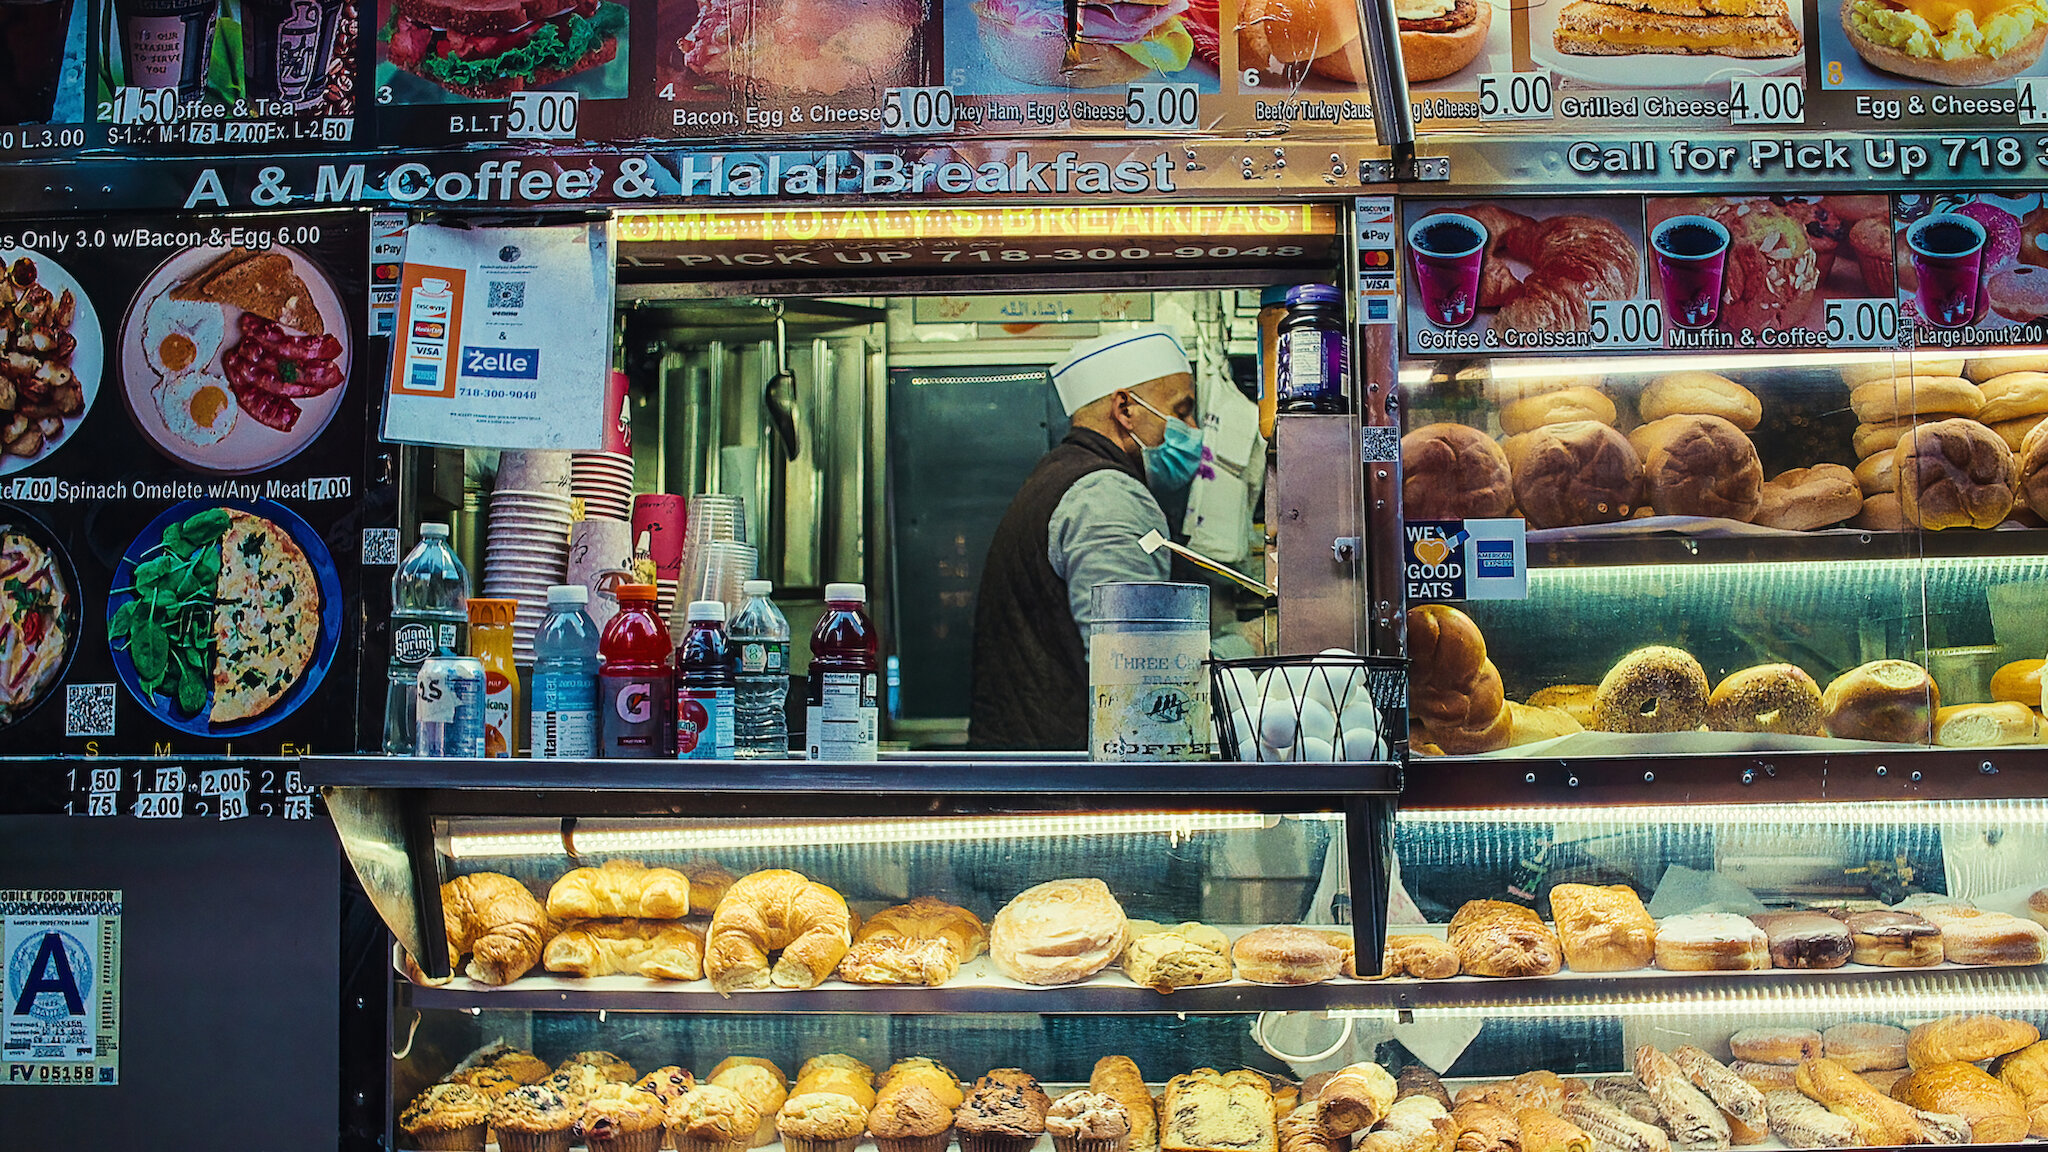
[
  {"x": 564, "y": 684},
  {"x": 636, "y": 694},
  {"x": 490, "y": 641},
  {"x": 842, "y": 721},
  {"x": 704, "y": 685},
  {"x": 429, "y": 617}
]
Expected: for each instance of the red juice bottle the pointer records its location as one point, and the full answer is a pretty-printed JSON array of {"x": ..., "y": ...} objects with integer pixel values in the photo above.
[
  {"x": 842, "y": 720},
  {"x": 636, "y": 694},
  {"x": 704, "y": 685}
]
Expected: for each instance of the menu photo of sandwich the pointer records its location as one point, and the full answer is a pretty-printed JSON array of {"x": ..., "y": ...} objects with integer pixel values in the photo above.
[
  {"x": 447, "y": 51},
  {"x": 1517, "y": 275},
  {"x": 774, "y": 55},
  {"x": 1930, "y": 44},
  {"x": 1696, "y": 43},
  {"x": 1079, "y": 46}
]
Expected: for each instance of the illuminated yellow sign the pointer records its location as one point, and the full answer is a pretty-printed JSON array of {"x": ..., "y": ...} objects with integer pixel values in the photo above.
[{"x": 1077, "y": 221}]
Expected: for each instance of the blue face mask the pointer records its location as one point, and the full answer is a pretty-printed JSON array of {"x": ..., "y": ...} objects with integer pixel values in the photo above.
[{"x": 1170, "y": 465}]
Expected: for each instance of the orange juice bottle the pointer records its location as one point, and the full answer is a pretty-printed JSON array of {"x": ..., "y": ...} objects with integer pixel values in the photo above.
[{"x": 490, "y": 641}]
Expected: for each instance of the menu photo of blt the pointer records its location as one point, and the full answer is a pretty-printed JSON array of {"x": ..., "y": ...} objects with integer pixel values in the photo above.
[
  {"x": 435, "y": 52},
  {"x": 228, "y": 72}
]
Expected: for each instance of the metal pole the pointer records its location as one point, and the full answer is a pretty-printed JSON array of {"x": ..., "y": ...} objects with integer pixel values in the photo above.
[{"x": 1392, "y": 118}]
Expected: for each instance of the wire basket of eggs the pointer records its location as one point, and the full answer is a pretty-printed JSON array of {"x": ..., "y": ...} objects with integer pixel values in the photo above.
[{"x": 1333, "y": 706}]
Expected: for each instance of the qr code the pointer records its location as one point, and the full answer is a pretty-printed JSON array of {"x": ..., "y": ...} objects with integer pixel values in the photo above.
[
  {"x": 89, "y": 710},
  {"x": 1377, "y": 444},
  {"x": 380, "y": 545},
  {"x": 508, "y": 293}
]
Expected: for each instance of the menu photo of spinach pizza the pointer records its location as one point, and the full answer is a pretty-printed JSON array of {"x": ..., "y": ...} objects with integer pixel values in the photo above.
[
  {"x": 224, "y": 616},
  {"x": 39, "y": 608}
]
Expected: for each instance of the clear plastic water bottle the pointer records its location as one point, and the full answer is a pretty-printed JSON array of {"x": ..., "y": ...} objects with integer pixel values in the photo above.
[
  {"x": 760, "y": 637},
  {"x": 564, "y": 679},
  {"x": 429, "y": 617}
]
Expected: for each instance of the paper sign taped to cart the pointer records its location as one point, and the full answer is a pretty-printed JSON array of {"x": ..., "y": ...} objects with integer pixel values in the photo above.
[
  {"x": 61, "y": 948},
  {"x": 504, "y": 337}
]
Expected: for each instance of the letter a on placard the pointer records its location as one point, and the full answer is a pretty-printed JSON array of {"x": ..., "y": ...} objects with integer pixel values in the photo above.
[
  {"x": 50, "y": 972},
  {"x": 208, "y": 187}
]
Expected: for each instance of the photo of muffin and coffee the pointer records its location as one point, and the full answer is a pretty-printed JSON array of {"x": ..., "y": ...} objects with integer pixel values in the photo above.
[{"x": 1967, "y": 261}]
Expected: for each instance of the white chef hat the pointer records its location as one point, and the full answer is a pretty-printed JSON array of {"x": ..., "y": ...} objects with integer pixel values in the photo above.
[{"x": 1095, "y": 368}]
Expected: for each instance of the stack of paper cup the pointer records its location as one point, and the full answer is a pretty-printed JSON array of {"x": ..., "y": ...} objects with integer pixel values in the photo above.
[
  {"x": 527, "y": 550},
  {"x": 604, "y": 482},
  {"x": 535, "y": 470}
]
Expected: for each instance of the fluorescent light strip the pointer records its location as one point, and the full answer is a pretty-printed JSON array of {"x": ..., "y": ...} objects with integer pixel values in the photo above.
[
  {"x": 1911, "y": 813},
  {"x": 1419, "y": 373},
  {"x": 1917, "y": 999},
  {"x": 928, "y": 830}
]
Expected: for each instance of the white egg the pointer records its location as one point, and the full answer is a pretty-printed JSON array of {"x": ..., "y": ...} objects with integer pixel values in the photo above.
[
  {"x": 1317, "y": 722},
  {"x": 1343, "y": 652},
  {"x": 1359, "y": 713},
  {"x": 1289, "y": 682},
  {"x": 1242, "y": 688},
  {"x": 1311, "y": 748},
  {"x": 180, "y": 335},
  {"x": 1278, "y": 726},
  {"x": 197, "y": 408},
  {"x": 1361, "y": 744},
  {"x": 1275, "y": 755},
  {"x": 1246, "y": 733}
]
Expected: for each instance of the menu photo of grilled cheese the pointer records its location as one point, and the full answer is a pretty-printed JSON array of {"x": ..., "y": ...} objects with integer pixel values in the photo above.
[
  {"x": 1705, "y": 42},
  {"x": 1885, "y": 44}
]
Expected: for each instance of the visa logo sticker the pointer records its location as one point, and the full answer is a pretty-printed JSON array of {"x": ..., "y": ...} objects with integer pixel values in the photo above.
[{"x": 501, "y": 363}]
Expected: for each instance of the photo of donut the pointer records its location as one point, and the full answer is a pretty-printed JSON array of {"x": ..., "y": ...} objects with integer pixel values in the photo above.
[{"x": 1972, "y": 260}]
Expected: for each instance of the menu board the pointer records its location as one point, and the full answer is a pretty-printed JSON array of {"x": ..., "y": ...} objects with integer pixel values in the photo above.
[
  {"x": 235, "y": 75},
  {"x": 1725, "y": 272},
  {"x": 43, "y": 63},
  {"x": 182, "y": 439}
]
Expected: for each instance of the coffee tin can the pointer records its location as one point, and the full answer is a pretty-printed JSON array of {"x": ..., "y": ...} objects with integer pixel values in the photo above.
[
  {"x": 449, "y": 707},
  {"x": 1148, "y": 684}
]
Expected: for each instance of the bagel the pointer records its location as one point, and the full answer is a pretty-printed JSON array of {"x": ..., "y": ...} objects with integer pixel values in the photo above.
[
  {"x": 776, "y": 911},
  {"x": 1880, "y": 401},
  {"x": 1902, "y": 364},
  {"x": 1700, "y": 394},
  {"x": 1778, "y": 698},
  {"x": 1802, "y": 499},
  {"x": 1562, "y": 407},
  {"x": 1652, "y": 689},
  {"x": 1574, "y": 700}
]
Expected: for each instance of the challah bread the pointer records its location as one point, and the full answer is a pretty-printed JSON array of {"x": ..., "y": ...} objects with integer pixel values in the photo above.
[
  {"x": 1455, "y": 690},
  {"x": 620, "y": 888},
  {"x": 770, "y": 911}
]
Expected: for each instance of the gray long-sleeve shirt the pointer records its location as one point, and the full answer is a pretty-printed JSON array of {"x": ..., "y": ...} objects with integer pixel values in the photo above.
[{"x": 1093, "y": 538}]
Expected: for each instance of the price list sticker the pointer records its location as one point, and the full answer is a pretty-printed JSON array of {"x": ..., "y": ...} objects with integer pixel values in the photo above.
[
  {"x": 1624, "y": 325},
  {"x": 543, "y": 116},
  {"x": 1867, "y": 322},
  {"x": 174, "y": 792},
  {"x": 1767, "y": 100},
  {"x": 1162, "y": 107},
  {"x": 919, "y": 111},
  {"x": 1515, "y": 95}
]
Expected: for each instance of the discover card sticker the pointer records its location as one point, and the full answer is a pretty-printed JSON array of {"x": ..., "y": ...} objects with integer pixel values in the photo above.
[{"x": 62, "y": 951}]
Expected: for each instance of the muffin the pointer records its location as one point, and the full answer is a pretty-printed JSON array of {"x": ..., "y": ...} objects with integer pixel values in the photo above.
[
  {"x": 820, "y": 1122},
  {"x": 1005, "y": 1113},
  {"x": 490, "y": 1080},
  {"x": 1088, "y": 1122},
  {"x": 576, "y": 1083},
  {"x": 834, "y": 1078},
  {"x": 731, "y": 1062},
  {"x": 533, "y": 1118},
  {"x": 762, "y": 1085},
  {"x": 623, "y": 1118},
  {"x": 712, "y": 1118},
  {"x": 446, "y": 1116},
  {"x": 909, "y": 1117},
  {"x": 607, "y": 1064},
  {"x": 517, "y": 1063},
  {"x": 929, "y": 1073},
  {"x": 670, "y": 1083},
  {"x": 836, "y": 1060}
]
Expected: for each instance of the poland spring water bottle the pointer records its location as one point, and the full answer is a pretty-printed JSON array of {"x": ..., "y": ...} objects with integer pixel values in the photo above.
[
  {"x": 429, "y": 616},
  {"x": 760, "y": 638}
]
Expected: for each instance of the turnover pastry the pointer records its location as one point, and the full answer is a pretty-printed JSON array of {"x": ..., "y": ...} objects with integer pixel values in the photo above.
[
  {"x": 2026, "y": 1073},
  {"x": 1603, "y": 929},
  {"x": 1495, "y": 938},
  {"x": 922, "y": 942},
  {"x": 1968, "y": 1038},
  {"x": 661, "y": 949}
]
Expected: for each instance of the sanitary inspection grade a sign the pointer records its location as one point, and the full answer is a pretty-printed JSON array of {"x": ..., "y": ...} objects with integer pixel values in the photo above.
[{"x": 61, "y": 951}]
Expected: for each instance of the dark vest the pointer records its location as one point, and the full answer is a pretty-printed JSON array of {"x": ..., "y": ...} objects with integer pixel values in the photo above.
[{"x": 1030, "y": 669}]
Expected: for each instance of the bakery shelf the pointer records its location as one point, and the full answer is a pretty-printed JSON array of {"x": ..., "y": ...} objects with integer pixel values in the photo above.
[
  {"x": 1909, "y": 773},
  {"x": 1840, "y": 545}
]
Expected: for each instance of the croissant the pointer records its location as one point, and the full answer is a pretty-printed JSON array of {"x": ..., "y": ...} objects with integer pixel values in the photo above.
[
  {"x": 1497, "y": 285},
  {"x": 620, "y": 888},
  {"x": 926, "y": 918},
  {"x": 776, "y": 910},
  {"x": 658, "y": 948},
  {"x": 495, "y": 920},
  {"x": 1879, "y": 1119},
  {"x": 1477, "y": 1127}
]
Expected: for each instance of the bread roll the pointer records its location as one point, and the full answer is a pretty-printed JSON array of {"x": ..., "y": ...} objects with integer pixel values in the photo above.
[
  {"x": 1861, "y": 1046},
  {"x": 1893, "y": 701},
  {"x": 1985, "y": 725},
  {"x": 1967, "y": 1038},
  {"x": 2031, "y": 464},
  {"x": 1994, "y": 1111},
  {"x": 1603, "y": 929},
  {"x": 1561, "y": 407},
  {"x": 1574, "y": 700},
  {"x": 1955, "y": 474},
  {"x": 1575, "y": 473},
  {"x": 1527, "y": 725},
  {"x": 1878, "y": 474},
  {"x": 1058, "y": 932},
  {"x": 1882, "y": 401},
  {"x": 1452, "y": 472},
  {"x": 1699, "y": 466},
  {"x": 1776, "y": 1045},
  {"x": 1803, "y": 499},
  {"x": 1118, "y": 1078},
  {"x": 1700, "y": 394},
  {"x": 2014, "y": 432},
  {"x": 2013, "y": 395},
  {"x": 1870, "y": 439},
  {"x": 1881, "y": 513},
  {"x": 2019, "y": 682},
  {"x": 1495, "y": 938},
  {"x": 1902, "y": 363}
]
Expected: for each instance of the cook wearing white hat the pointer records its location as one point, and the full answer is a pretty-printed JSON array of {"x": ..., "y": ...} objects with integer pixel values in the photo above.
[{"x": 1074, "y": 524}]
